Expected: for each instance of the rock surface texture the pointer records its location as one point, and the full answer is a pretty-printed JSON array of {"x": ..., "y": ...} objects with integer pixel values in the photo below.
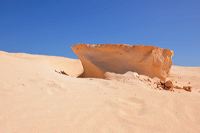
[{"x": 120, "y": 58}]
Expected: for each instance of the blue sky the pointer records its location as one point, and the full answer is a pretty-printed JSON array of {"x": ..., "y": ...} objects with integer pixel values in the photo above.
[{"x": 52, "y": 27}]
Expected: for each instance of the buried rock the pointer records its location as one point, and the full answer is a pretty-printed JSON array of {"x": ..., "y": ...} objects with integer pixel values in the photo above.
[
  {"x": 62, "y": 72},
  {"x": 187, "y": 88},
  {"x": 166, "y": 85}
]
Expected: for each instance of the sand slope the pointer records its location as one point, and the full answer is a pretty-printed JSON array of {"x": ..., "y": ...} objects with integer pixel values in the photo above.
[
  {"x": 183, "y": 75},
  {"x": 36, "y": 99},
  {"x": 26, "y": 62}
]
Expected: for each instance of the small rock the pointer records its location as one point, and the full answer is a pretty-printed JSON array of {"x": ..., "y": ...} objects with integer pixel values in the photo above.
[
  {"x": 169, "y": 84},
  {"x": 62, "y": 72},
  {"x": 187, "y": 88},
  {"x": 149, "y": 80}
]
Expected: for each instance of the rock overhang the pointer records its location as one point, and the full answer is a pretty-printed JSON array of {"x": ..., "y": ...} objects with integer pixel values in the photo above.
[{"x": 120, "y": 58}]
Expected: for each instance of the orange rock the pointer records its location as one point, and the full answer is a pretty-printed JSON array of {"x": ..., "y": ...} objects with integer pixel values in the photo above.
[{"x": 148, "y": 60}]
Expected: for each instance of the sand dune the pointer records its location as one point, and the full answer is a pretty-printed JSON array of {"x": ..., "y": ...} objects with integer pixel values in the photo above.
[
  {"x": 36, "y": 99},
  {"x": 71, "y": 66}
]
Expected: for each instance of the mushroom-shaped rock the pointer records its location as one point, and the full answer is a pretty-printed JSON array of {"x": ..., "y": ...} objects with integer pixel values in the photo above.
[{"x": 121, "y": 58}]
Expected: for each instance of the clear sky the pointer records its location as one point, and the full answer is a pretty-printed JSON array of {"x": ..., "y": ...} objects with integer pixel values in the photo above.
[{"x": 53, "y": 26}]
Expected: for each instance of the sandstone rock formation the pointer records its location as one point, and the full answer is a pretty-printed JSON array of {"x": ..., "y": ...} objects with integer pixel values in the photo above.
[{"x": 148, "y": 60}]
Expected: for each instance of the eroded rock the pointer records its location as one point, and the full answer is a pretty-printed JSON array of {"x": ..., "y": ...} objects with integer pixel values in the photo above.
[{"x": 146, "y": 60}]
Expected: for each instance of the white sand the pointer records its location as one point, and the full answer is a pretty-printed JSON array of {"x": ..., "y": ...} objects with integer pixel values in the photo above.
[{"x": 36, "y": 99}]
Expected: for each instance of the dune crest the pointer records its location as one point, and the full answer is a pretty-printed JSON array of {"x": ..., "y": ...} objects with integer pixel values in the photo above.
[
  {"x": 72, "y": 67},
  {"x": 120, "y": 58}
]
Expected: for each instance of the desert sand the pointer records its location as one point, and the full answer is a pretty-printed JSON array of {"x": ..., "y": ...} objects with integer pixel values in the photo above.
[{"x": 36, "y": 98}]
